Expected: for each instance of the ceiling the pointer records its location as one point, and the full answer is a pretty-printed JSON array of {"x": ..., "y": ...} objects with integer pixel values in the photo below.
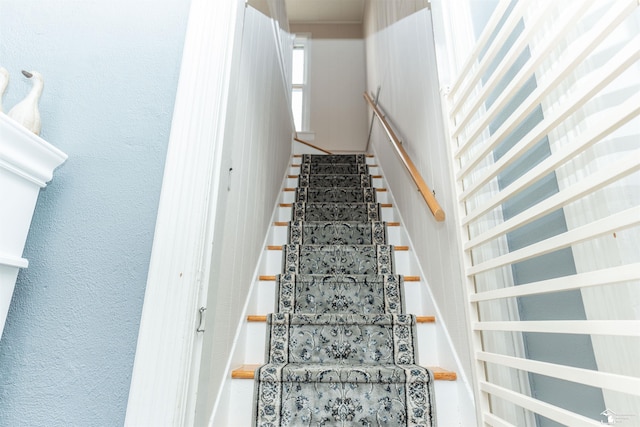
[
  {"x": 325, "y": 11},
  {"x": 319, "y": 11}
]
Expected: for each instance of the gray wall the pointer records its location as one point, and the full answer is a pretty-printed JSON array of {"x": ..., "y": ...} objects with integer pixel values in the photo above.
[{"x": 110, "y": 70}]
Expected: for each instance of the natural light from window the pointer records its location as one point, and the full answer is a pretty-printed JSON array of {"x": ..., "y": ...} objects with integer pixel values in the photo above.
[{"x": 299, "y": 83}]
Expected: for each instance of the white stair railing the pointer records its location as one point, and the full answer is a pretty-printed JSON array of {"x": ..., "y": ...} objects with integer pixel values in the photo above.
[{"x": 582, "y": 58}]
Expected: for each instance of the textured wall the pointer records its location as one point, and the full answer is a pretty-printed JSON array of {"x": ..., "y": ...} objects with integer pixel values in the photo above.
[{"x": 110, "y": 70}]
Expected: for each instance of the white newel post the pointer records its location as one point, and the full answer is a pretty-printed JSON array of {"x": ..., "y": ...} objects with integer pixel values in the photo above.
[{"x": 26, "y": 165}]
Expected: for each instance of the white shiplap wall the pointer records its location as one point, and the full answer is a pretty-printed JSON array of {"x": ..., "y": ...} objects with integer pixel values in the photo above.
[
  {"x": 401, "y": 62},
  {"x": 256, "y": 153}
]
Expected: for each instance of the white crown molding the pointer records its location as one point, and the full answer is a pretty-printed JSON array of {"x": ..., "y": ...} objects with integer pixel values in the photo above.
[
  {"x": 26, "y": 154},
  {"x": 13, "y": 261}
]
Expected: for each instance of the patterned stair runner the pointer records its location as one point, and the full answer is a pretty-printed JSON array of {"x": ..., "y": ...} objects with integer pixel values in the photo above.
[
  {"x": 335, "y": 194},
  {"x": 313, "y": 212},
  {"x": 340, "y": 349},
  {"x": 337, "y": 233},
  {"x": 356, "y": 294}
]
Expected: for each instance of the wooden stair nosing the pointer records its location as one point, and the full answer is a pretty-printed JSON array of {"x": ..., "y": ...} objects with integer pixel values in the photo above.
[
  {"x": 297, "y": 165},
  {"x": 268, "y": 278},
  {"x": 263, "y": 318},
  {"x": 379, "y": 190},
  {"x": 279, "y": 248},
  {"x": 289, "y": 205},
  {"x": 286, "y": 224},
  {"x": 366, "y": 155},
  {"x": 247, "y": 372}
]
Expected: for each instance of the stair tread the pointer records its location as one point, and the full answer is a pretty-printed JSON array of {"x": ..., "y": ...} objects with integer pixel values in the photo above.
[
  {"x": 247, "y": 371},
  {"x": 279, "y": 247},
  {"x": 269, "y": 278},
  {"x": 263, "y": 318},
  {"x": 286, "y": 223},
  {"x": 289, "y": 205}
]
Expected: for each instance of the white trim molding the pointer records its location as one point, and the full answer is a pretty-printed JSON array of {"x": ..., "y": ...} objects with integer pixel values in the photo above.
[
  {"x": 162, "y": 384},
  {"x": 26, "y": 154},
  {"x": 27, "y": 163}
]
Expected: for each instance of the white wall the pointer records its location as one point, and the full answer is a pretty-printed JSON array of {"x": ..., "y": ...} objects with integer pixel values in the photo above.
[
  {"x": 401, "y": 61},
  {"x": 338, "y": 114},
  {"x": 257, "y": 148}
]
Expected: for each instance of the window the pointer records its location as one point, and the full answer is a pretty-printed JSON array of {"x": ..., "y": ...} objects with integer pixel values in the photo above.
[{"x": 299, "y": 83}]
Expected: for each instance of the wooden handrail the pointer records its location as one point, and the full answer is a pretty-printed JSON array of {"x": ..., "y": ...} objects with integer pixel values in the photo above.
[
  {"x": 311, "y": 145},
  {"x": 428, "y": 196}
]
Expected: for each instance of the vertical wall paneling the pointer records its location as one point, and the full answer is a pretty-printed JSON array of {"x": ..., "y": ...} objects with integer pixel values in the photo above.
[
  {"x": 164, "y": 372},
  {"x": 257, "y": 148},
  {"x": 401, "y": 61}
]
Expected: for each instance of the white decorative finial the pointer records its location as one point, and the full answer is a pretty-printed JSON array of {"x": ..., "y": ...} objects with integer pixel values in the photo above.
[
  {"x": 4, "y": 81},
  {"x": 26, "y": 111}
]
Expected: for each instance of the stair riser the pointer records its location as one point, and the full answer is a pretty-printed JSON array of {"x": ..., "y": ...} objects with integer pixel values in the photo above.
[
  {"x": 341, "y": 339},
  {"x": 256, "y": 333},
  {"x": 336, "y": 195},
  {"x": 336, "y": 168},
  {"x": 386, "y": 213},
  {"x": 240, "y": 397},
  {"x": 376, "y": 396},
  {"x": 331, "y": 233},
  {"x": 403, "y": 261},
  {"x": 292, "y": 196},
  {"x": 296, "y": 169},
  {"x": 363, "y": 295},
  {"x": 375, "y": 182},
  {"x": 278, "y": 235},
  {"x": 266, "y": 300}
]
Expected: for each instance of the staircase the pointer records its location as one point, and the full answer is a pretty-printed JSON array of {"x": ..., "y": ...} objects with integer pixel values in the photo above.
[
  {"x": 340, "y": 348},
  {"x": 340, "y": 351}
]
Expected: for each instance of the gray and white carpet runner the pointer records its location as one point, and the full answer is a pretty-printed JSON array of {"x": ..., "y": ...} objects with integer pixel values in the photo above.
[{"x": 340, "y": 349}]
